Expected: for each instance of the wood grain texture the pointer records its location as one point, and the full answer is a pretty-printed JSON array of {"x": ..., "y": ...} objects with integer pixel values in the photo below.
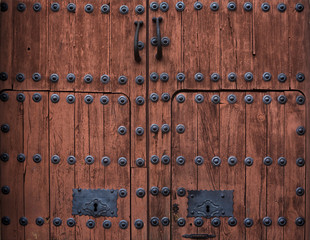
[
  {"x": 183, "y": 145},
  {"x": 30, "y": 45},
  {"x": 61, "y": 143},
  {"x": 232, "y": 144},
  {"x": 256, "y": 174},
  {"x": 6, "y": 49},
  {"x": 275, "y": 173},
  {"x": 294, "y": 206},
  {"x": 12, "y": 204},
  {"x": 61, "y": 48},
  {"x": 208, "y": 139},
  {"x": 36, "y": 175}
]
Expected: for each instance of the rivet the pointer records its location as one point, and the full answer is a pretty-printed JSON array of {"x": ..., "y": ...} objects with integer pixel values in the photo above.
[
  {"x": 4, "y": 7},
  {"x": 21, "y": 157},
  {"x": 139, "y": 131},
  {"x": 36, "y": 7},
  {"x": 21, "y": 7},
  {"x": 138, "y": 224},
  {"x": 232, "y": 77},
  {"x": 232, "y": 221},
  {"x": 248, "y": 161},
  {"x": 198, "y": 222},
  {"x": 139, "y": 9},
  {"x": 20, "y": 77},
  {"x": 123, "y": 224},
  {"x": 301, "y": 130},
  {"x": 165, "y": 128},
  {"x": 248, "y": 76},
  {"x": 216, "y": 222},
  {"x": 123, "y": 9},
  {"x": 248, "y": 6},
  {"x": 39, "y": 221},
  {"x": 281, "y": 7},
  {"x": 300, "y": 191},
  {"x": 199, "y": 77},
  {"x": 165, "y": 191},
  {"x": 282, "y": 161},
  {"x": 107, "y": 224},
  {"x": 140, "y": 162},
  {"x": 267, "y": 221},
  {"x": 36, "y": 77},
  {"x": 216, "y": 161},
  {"x": 265, "y": 7},
  {"x": 300, "y": 77},
  {"x": 181, "y": 222},
  {"x": 88, "y": 78},
  {"x": 232, "y": 160},
  {"x": 55, "y": 159},
  {"x": 105, "y": 8},
  {"x": 122, "y": 80},
  {"x": 180, "y": 6},
  {"x": 282, "y": 77},
  {"x": 71, "y": 222},
  {"x": 282, "y": 99},
  {"x": 54, "y": 77},
  {"x": 122, "y": 161},
  {"x": 4, "y": 157},
  {"x": 104, "y": 100},
  {"x": 199, "y": 98},
  {"x": 70, "y": 99},
  {"x": 23, "y": 221},
  {"x": 154, "y": 76},
  {"x": 36, "y": 97},
  {"x": 214, "y": 6},
  {"x": 154, "y": 191},
  {"x": 154, "y": 159},
  {"x": 154, "y": 221},
  {"x": 37, "y": 158},
  {"x": 70, "y": 77},
  {"x": 180, "y": 160},
  {"x": 89, "y": 159},
  {"x": 180, "y": 77},
  {"x": 198, "y": 5},
  {"x": 122, "y": 193},
  {"x": 249, "y": 99},
  {"x": 164, "y": 7},
  {"x": 248, "y": 222},
  {"x": 164, "y": 77},
  {"x": 154, "y": 97},
  {"x": 300, "y": 221},
  {"x": 4, "y": 97},
  {"x": 88, "y": 99},
  {"x": 300, "y": 162},
  {"x": 55, "y": 7},
  {"x": 5, "y": 190},
  {"x": 105, "y": 161},
  {"x": 90, "y": 223},
  {"x": 57, "y": 222},
  {"x": 139, "y": 100},
  {"x": 5, "y": 220},
  {"x": 282, "y": 221},
  {"x": 299, "y": 7},
  {"x": 3, "y": 75},
  {"x": 165, "y": 97},
  {"x": 267, "y": 99},
  {"x": 154, "y": 128},
  {"x": 232, "y": 98},
  {"x": 55, "y": 98},
  {"x": 71, "y": 7},
  {"x": 165, "y": 159},
  {"x": 181, "y": 192},
  {"x": 267, "y": 161},
  {"x": 300, "y": 100},
  {"x": 180, "y": 128},
  {"x": 215, "y": 99},
  {"x": 180, "y": 98},
  {"x": 71, "y": 160},
  {"x": 199, "y": 160},
  {"x": 154, "y": 6},
  {"x": 267, "y": 76},
  {"x": 139, "y": 80},
  {"x": 165, "y": 221},
  {"x": 122, "y": 100},
  {"x": 140, "y": 192}
]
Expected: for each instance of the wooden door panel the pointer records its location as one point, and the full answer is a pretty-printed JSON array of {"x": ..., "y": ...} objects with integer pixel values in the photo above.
[{"x": 239, "y": 131}]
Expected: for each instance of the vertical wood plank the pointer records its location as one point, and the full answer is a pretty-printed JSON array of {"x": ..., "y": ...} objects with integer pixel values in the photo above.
[
  {"x": 82, "y": 173},
  {"x": 256, "y": 174},
  {"x": 294, "y": 206},
  {"x": 275, "y": 173},
  {"x": 92, "y": 39},
  {"x": 232, "y": 142},
  {"x": 228, "y": 44},
  {"x": 6, "y": 43},
  {"x": 11, "y": 143},
  {"x": 29, "y": 54},
  {"x": 183, "y": 145},
  {"x": 61, "y": 143},
  {"x": 208, "y": 135},
  {"x": 36, "y": 175},
  {"x": 61, "y": 45}
]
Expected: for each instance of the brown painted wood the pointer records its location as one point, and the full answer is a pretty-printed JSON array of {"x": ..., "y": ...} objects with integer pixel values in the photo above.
[
  {"x": 12, "y": 204},
  {"x": 36, "y": 175},
  {"x": 61, "y": 143},
  {"x": 256, "y": 174},
  {"x": 30, "y": 45},
  {"x": 232, "y": 143},
  {"x": 208, "y": 139},
  {"x": 6, "y": 34}
]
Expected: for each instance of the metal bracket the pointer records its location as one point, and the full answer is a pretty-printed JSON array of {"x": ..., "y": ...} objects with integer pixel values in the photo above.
[
  {"x": 95, "y": 202},
  {"x": 205, "y": 203}
]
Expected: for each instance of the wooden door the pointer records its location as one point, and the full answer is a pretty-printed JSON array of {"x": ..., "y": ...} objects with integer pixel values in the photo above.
[{"x": 102, "y": 140}]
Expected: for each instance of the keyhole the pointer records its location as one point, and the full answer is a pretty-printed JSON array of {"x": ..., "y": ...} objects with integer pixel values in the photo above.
[
  {"x": 95, "y": 207},
  {"x": 208, "y": 208}
]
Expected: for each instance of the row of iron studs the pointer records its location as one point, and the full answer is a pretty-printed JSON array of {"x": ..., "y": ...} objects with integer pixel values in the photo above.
[
  {"x": 154, "y": 97},
  {"x": 154, "y": 221},
  {"x": 165, "y": 159},
  {"x": 154, "y": 77},
  {"x": 154, "y": 6}
]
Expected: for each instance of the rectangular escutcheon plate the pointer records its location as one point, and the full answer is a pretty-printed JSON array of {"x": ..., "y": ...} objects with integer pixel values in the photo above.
[
  {"x": 205, "y": 203},
  {"x": 95, "y": 202}
]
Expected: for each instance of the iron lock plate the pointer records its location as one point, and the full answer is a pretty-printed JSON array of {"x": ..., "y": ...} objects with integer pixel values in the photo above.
[
  {"x": 205, "y": 203},
  {"x": 95, "y": 202}
]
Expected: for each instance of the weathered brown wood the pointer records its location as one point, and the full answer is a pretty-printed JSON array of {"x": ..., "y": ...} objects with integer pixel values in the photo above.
[
  {"x": 185, "y": 175},
  {"x": 6, "y": 49},
  {"x": 36, "y": 175},
  {"x": 82, "y": 149},
  {"x": 294, "y": 206},
  {"x": 12, "y": 204},
  {"x": 255, "y": 201},
  {"x": 61, "y": 40},
  {"x": 232, "y": 144},
  {"x": 61, "y": 143},
  {"x": 275, "y": 173},
  {"x": 30, "y": 45},
  {"x": 92, "y": 39},
  {"x": 208, "y": 139}
]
